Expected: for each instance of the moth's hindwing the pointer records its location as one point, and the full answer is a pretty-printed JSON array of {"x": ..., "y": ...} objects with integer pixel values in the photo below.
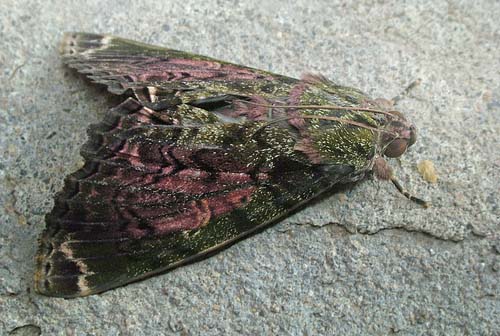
[{"x": 179, "y": 170}]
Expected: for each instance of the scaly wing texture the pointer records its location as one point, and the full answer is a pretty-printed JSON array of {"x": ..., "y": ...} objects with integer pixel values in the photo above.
[
  {"x": 153, "y": 195},
  {"x": 167, "y": 185}
]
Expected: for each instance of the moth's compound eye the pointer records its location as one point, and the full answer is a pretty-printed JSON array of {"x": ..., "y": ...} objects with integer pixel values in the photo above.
[{"x": 396, "y": 148}]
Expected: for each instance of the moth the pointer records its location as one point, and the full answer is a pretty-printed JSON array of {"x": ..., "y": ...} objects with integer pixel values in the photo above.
[{"x": 199, "y": 154}]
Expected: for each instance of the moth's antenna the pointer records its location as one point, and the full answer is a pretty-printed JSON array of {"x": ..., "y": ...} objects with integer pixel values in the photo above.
[
  {"x": 325, "y": 107},
  {"x": 331, "y": 118},
  {"x": 406, "y": 91}
]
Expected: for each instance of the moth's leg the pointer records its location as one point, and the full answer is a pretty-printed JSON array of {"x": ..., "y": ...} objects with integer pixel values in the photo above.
[
  {"x": 412, "y": 198},
  {"x": 383, "y": 171}
]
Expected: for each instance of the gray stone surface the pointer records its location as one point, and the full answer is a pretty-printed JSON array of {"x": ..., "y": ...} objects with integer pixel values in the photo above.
[{"x": 366, "y": 261}]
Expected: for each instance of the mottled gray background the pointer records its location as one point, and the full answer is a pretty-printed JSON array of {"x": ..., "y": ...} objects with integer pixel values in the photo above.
[{"x": 366, "y": 261}]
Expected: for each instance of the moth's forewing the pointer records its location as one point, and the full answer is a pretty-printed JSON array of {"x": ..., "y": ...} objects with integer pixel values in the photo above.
[{"x": 123, "y": 64}]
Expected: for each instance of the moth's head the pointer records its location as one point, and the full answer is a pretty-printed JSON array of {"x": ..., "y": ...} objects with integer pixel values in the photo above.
[{"x": 398, "y": 134}]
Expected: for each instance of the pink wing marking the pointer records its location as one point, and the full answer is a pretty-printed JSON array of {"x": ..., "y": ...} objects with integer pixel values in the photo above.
[
  {"x": 156, "y": 69},
  {"x": 198, "y": 213}
]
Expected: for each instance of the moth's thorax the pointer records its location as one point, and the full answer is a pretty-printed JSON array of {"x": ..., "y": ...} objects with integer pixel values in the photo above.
[
  {"x": 328, "y": 143},
  {"x": 352, "y": 143},
  {"x": 359, "y": 141}
]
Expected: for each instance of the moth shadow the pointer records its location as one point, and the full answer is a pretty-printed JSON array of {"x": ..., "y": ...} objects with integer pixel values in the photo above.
[{"x": 96, "y": 89}]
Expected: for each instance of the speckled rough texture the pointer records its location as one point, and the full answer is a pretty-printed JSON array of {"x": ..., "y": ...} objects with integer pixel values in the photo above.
[{"x": 365, "y": 261}]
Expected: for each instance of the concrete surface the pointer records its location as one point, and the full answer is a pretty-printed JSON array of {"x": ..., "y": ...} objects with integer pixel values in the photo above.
[{"x": 365, "y": 261}]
